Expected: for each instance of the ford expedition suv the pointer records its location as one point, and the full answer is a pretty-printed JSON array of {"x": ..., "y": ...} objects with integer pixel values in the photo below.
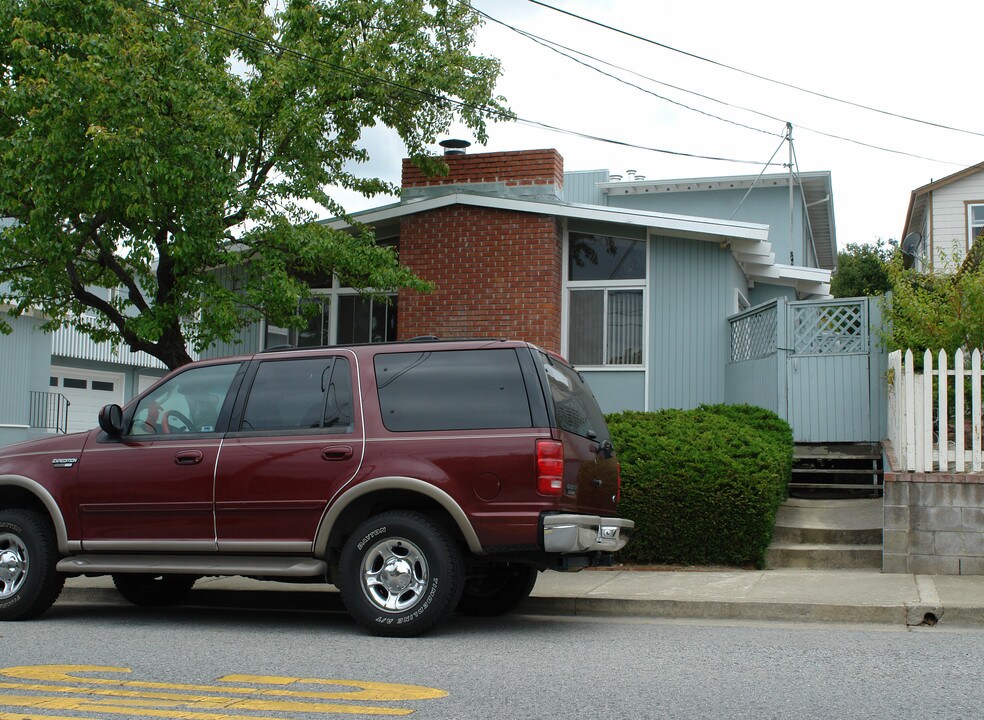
[{"x": 420, "y": 478}]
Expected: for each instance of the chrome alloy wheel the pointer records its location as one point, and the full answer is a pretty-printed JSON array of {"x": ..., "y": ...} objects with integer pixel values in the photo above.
[
  {"x": 394, "y": 575},
  {"x": 14, "y": 564}
]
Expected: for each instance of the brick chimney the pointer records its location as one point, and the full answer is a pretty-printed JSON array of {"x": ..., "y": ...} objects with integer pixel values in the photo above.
[
  {"x": 522, "y": 173},
  {"x": 496, "y": 272}
]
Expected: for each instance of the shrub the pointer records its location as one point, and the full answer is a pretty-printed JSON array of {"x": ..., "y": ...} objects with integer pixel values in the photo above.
[{"x": 703, "y": 485}]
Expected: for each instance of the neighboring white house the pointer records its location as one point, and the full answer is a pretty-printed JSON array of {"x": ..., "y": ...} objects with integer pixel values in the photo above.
[{"x": 945, "y": 218}]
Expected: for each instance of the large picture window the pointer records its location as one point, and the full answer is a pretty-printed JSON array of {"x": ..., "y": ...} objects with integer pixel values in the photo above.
[
  {"x": 337, "y": 315},
  {"x": 606, "y": 300}
]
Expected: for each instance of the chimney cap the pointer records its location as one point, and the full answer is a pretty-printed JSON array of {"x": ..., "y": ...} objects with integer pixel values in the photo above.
[{"x": 454, "y": 146}]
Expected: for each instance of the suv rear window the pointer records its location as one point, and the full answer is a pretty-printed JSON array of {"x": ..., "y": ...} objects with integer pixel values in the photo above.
[
  {"x": 575, "y": 406},
  {"x": 452, "y": 390}
]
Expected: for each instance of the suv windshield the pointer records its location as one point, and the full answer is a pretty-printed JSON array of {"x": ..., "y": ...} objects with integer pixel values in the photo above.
[{"x": 575, "y": 406}]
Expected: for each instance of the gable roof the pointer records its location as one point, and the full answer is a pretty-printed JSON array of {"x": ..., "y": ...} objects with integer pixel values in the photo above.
[
  {"x": 748, "y": 242},
  {"x": 919, "y": 199}
]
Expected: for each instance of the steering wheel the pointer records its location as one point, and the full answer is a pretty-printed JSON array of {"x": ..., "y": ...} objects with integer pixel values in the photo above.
[{"x": 185, "y": 425}]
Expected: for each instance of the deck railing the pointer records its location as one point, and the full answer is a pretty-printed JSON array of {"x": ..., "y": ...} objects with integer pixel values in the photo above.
[{"x": 934, "y": 416}]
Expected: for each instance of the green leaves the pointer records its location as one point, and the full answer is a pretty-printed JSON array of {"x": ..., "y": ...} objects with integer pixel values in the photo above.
[
  {"x": 703, "y": 485},
  {"x": 936, "y": 309},
  {"x": 143, "y": 148}
]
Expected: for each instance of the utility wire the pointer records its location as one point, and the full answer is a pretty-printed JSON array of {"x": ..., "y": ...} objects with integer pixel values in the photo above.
[
  {"x": 560, "y": 49},
  {"x": 755, "y": 75},
  {"x": 565, "y": 52},
  {"x": 435, "y": 97}
]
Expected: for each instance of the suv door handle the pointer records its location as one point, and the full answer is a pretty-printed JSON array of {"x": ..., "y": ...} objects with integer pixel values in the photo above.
[
  {"x": 337, "y": 452},
  {"x": 188, "y": 457}
]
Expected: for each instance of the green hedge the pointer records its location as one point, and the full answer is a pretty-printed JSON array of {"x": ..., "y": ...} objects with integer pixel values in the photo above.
[{"x": 703, "y": 485}]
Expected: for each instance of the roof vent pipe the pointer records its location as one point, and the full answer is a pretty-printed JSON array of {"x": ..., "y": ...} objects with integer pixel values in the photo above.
[
  {"x": 630, "y": 174},
  {"x": 640, "y": 177},
  {"x": 614, "y": 178},
  {"x": 454, "y": 147}
]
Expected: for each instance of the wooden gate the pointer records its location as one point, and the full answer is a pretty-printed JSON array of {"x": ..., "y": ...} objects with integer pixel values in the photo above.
[{"x": 816, "y": 363}]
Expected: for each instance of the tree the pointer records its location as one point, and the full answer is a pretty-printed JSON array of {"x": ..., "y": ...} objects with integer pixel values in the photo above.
[
  {"x": 936, "y": 310},
  {"x": 862, "y": 270},
  {"x": 146, "y": 143}
]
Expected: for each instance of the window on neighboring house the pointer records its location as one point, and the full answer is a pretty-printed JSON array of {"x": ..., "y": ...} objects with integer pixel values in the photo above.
[
  {"x": 337, "y": 315},
  {"x": 975, "y": 222},
  {"x": 606, "y": 278}
]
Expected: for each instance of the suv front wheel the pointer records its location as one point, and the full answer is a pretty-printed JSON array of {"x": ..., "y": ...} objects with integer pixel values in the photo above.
[
  {"x": 29, "y": 583},
  {"x": 401, "y": 574}
]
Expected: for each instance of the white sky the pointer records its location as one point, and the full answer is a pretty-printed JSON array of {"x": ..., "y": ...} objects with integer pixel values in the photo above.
[{"x": 921, "y": 60}]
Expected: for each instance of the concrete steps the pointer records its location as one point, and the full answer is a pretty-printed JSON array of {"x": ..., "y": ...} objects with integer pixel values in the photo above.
[
  {"x": 827, "y": 535},
  {"x": 837, "y": 470}
]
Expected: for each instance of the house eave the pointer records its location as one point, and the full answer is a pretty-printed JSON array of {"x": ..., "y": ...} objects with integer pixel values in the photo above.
[
  {"x": 817, "y": 190},
  {"x": 808, "y": 282},
  {"x": 682, "y": 225}
]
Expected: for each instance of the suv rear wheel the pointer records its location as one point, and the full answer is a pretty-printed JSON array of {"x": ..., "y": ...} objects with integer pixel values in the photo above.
[
  {"x": 29, "y": 583},
  {"x": 401, "y": 574}
]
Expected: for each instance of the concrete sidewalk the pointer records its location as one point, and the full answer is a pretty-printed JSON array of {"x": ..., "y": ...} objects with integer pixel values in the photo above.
[{"x": 847, "y": 596}]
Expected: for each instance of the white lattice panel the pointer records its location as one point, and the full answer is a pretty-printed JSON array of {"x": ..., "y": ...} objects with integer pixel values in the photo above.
[
  {"x": 754, "y": 336},
  {"x": 829, "y": 329}
]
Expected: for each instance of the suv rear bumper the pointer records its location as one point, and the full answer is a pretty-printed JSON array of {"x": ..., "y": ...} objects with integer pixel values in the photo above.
[{"x": 568, "y": 533}]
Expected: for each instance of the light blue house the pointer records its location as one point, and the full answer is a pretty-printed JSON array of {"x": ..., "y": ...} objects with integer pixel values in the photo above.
[{"x": 649, "y": 287}]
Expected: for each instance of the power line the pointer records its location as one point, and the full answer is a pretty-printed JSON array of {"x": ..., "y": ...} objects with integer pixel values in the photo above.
[
  {"x": 755, "y": 75},
  {"x": 489, "y": 111},
  {"x": 559, "y": 48}
]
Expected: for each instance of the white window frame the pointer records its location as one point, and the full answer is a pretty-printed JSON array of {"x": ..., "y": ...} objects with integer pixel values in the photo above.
[
  {"x": 637, "y": 284},
  {"x": 971, "y": 206},
  {"x": 332, "y": 294}
]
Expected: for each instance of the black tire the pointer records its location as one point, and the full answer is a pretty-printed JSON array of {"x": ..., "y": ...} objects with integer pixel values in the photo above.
[
  {"x": 497, "y": 591},
  {"x": 401, "y": 574},
  {"x": 29, "y": 582},
  {"x": 154, "y": 590}
]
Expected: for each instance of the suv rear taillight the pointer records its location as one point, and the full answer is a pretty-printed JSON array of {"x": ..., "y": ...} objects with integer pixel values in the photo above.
[{"x": 549, "y": 467}]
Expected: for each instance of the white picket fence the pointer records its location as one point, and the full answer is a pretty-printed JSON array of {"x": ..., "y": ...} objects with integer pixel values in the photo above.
[{"x": 928, "y": 434}]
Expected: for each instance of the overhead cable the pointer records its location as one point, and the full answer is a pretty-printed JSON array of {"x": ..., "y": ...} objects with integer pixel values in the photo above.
[
  {"x": 564, "y": 50},
  {"x": 756, "y": 75}
]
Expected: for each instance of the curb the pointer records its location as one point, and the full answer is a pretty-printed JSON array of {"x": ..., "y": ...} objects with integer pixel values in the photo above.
[
  {"x": 330, "y": 601},
  {"x": 717, "y": 610}
]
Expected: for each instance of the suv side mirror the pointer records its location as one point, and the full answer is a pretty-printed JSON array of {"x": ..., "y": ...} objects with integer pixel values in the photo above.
[{"x": 111, "y": 420}]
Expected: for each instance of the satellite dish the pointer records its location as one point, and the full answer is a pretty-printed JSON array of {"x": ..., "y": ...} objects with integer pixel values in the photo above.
[{"x": 911, "y": 243}]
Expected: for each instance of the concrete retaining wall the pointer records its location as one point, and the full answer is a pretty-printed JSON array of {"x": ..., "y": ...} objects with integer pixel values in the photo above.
[{"x": 934, "y": 522}]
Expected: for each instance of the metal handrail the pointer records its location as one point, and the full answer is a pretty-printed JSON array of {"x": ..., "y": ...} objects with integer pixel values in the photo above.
[{"x": 49, "y": 410}]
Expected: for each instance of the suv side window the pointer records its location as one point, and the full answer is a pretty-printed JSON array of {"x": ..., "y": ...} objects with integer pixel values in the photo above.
[
  {"x": 452, "y": 390},
  {"x": 298, "y": 394},
  {"x": 575, "y": 406},
  {"x": 188, "y": 402}
]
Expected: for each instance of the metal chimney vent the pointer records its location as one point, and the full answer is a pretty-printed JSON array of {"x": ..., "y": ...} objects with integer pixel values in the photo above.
[{"x": 454, "y": 147}]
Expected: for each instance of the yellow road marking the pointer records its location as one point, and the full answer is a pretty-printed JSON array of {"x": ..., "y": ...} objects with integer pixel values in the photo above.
[
  {"x": 370, "y": 691},
  {"x": 375, "y": 691},
  {"x": 193, "y": 702}
]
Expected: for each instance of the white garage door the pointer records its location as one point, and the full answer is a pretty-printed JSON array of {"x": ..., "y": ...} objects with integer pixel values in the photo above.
[{"x": 88, "y": 391}]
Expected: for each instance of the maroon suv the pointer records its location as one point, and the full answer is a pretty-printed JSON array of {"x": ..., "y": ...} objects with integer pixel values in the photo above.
[{"x": 419, "y": 478}]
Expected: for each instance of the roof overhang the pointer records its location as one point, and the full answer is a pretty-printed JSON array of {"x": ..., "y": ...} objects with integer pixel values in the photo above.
[
  {"x": 748, "y": 242},
  {"x": 818, "y": 196},
  {"x": 679, "y": 225}
]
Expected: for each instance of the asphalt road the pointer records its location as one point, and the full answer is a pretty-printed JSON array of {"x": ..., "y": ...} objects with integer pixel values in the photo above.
[{"x": 112, "y": 661}]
